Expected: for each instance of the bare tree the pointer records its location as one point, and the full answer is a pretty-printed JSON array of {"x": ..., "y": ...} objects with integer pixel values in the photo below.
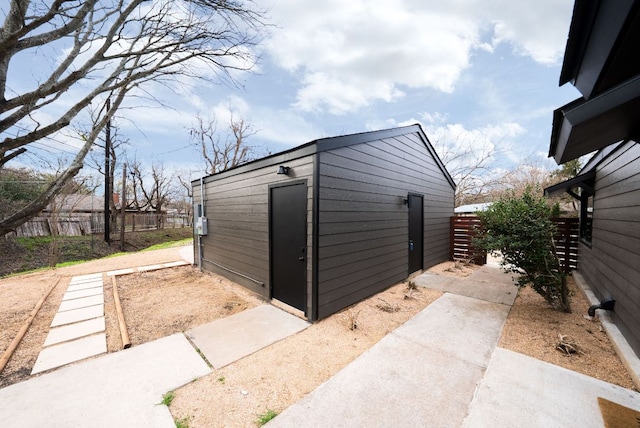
[
  {"x": 185, "y": 195},
  {"x": 151, "y": 191},
  {"x": 110, "y": 48},
  {"x": 469, "y": 163},
  {"x": 226, "y": 149}
]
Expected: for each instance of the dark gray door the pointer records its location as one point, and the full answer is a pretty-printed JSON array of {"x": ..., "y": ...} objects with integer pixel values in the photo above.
[
  {"x": 288, "y": 222},
  {"x": 415, "y": 233}
]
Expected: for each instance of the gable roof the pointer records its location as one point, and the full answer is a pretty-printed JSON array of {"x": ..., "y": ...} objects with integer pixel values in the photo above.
[{"x": 332, "y": 143}]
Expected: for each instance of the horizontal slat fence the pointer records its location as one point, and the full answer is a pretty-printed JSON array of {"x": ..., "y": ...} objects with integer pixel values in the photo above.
[
  {"x": 566, "y": 241},
  {"x": 463, "y": 229}
]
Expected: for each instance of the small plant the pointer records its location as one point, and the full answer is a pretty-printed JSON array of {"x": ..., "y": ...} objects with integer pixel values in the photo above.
[
  {"x": 168, "y": 398},
  {"x": 567, "y": 345},
  {"x": 182, "y": 423},
  {"x": 221, "y": 379},
  {"x": 387, "y": 307},
  {"x": 411, "y": 288},
  {"x": 352, "y": 320},
  {"x": 266, "y": 417}
]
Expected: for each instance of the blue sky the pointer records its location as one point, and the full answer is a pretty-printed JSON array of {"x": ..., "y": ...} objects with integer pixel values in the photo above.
[{"x": 473, "y": 73}]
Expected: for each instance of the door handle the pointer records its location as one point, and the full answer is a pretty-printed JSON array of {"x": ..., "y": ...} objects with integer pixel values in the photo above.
[{"x": 301, "y": 258}]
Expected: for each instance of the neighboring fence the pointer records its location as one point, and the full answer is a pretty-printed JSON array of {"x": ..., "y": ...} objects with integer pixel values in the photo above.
[
  {"x": 463, "y": 229},
  {"x": 566, "y": 241},
  {"x": 86, "y": 224}
]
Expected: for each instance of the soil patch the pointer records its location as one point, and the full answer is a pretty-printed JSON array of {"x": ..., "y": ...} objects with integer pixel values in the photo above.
[
  {"x": 167, "y": 301},
  {"x": 534, "y": 329}
]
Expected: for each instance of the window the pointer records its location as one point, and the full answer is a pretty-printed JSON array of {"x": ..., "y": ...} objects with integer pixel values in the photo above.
[{"x": 586, "y": 217}]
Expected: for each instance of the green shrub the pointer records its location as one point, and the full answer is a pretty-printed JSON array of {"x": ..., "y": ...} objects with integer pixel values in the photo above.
[{"x": 520, "y": 228}]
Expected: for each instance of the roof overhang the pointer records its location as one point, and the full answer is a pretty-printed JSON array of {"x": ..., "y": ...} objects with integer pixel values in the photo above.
[
  {"x": 601, "y": 48},
  {"x": 583, "y": 181},
  {"x": 582, "y": 127}
]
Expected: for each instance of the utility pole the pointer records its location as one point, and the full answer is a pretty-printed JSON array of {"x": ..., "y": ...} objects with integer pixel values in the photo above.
[{"x": 107, "y": 178}]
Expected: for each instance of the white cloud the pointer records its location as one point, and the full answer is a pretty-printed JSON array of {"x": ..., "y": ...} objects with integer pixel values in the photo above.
[
  {"x": 462, "y": 149},
  {"x": 537, "y": 29},
  {"x": 348, "y": 55}
]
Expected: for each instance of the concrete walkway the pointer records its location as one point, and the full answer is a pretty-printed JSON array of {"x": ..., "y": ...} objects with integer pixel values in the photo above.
[
  {"x": 116, "y": 390},
  {"x": 228, "y": 339},
  {"x": 442, "y": 369}
]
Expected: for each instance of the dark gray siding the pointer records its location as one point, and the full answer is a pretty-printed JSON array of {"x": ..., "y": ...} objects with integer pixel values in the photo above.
[
  {"x": 363, "y": 223},
  {"x": 237, "y": 208},
  {"x": 611, "y": 265}
]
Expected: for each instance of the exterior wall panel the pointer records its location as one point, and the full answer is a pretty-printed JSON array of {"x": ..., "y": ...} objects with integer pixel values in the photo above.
[
  {"x": 611, "y": 265},
  {"x": 363, "y": 228},
  {"x": 237, "y": 208}
]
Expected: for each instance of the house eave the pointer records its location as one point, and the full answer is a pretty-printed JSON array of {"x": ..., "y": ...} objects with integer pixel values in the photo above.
[
  {"x": 584, "y": 181},
  {"x": 599, "y": 32},
  {"x": 582, "y": 126}
]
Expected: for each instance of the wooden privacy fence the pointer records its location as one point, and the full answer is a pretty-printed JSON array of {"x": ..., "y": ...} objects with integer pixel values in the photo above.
[
  {"x": 566, "y": 241},
  {"x": 464, "y": 228},
  {"x": 86, "y": 224}
]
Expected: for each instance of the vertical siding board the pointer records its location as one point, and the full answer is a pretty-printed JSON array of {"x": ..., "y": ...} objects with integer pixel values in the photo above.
[
  {"x": 362, "y": 188},
  {"x": 611, "y": 265}
]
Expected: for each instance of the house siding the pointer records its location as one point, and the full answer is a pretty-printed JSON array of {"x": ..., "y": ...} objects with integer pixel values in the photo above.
[
  {"x": 363, "y": 222},
  {"x": 237, "y": 209},
  {"x": 611, "y": 265}
]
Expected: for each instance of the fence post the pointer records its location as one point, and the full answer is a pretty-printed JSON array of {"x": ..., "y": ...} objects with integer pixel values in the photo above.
[{"x": 452, "y": 225}]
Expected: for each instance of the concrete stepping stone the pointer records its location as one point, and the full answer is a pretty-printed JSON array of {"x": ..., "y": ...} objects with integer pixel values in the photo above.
[
  {"x": 82, "y": 302},
  {"x": 150, "y": 267},
  {"x": 120, "y": 272},
  {"x": 75, "y": 280},
  {"x": 75, "y": 331},
  {"x": 87, "y": 277},
  {"x": 69, "y": 295},
  {"x": 76, "y": 315},
  {"x": 175, "y": 264},
  {"x": 84, "y": 285},
  {"x": 228, "y": 339},
  {"x": 69, "y": 352}
]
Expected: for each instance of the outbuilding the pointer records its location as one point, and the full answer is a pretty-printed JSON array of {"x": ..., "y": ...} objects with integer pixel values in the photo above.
[{"x": 328, "y": 223}]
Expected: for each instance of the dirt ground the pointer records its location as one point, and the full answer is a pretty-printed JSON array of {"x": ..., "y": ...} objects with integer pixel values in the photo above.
[
  {"x": 534, "y": 329},
  {"x": 167, "y": 301}
]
